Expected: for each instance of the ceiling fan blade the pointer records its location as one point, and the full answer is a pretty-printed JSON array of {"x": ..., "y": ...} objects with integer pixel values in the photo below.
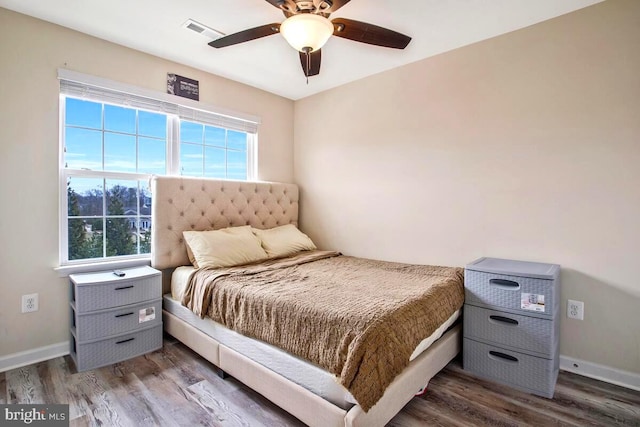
[
  {"x": 277, "y": 3},
  {"x": 314, "y": 65},
  {"x": 369, "y": 33},
  {"x": 246, "y": 35},
  {"x": 337, "y": 4},
  {"x": 287, "y": 6}
]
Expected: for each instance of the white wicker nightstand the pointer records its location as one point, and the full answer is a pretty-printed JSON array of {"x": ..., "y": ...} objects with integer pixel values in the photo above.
[
  {"x": 511, "y": 323},
  {"x": 114, "y": 318}
]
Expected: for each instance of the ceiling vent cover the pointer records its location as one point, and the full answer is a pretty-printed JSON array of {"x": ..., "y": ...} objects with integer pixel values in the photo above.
[{"x": 192, "y": 25}]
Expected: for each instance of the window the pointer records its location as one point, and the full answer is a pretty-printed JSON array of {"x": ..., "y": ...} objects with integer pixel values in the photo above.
[
  {"x": 109, "y": 154},
  {"x": 112, "y": 142}
]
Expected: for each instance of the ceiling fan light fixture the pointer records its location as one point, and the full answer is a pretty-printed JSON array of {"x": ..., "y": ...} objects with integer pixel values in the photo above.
[{"x": 306, "y": 30}]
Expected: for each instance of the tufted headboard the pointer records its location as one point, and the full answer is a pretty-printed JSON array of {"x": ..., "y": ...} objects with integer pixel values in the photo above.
[{"x": 181, "y": 204}]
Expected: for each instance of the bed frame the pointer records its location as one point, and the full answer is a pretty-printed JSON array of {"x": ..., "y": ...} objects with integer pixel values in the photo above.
[{"x": 204, "y": 204}]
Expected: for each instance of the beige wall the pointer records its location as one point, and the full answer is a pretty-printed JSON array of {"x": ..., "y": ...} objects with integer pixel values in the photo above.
[
  {"x": 31, "y": 51},
  {"x": 525, "y": 146}
]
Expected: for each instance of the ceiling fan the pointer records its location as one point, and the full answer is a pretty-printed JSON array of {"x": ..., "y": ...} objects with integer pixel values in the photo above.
[{"x": 307, "y": 28}]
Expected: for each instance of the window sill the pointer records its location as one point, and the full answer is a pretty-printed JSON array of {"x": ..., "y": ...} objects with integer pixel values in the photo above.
[{"x": 66, "y": 270}]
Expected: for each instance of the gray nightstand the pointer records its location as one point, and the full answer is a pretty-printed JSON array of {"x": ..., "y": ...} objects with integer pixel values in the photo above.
[
  {"x": 114, "y": 318},
  {"x": 511, "y": 323}
]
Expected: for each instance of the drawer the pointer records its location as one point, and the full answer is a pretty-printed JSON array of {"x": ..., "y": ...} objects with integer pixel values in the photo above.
[
  {"x": 528, "y": 373},
  {"x": 128, "y": 318},
  {"x": 95, "y": 354},
  {"x": 533, "y": 335},
  {"x": 117, "y": 292},
  {"x": 530, "y": 296}
]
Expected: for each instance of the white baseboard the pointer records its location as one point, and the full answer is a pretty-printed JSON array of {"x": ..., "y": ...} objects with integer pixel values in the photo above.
[
  {"x": 600, "y": 372},
  {"x": 24, "y": 358}
]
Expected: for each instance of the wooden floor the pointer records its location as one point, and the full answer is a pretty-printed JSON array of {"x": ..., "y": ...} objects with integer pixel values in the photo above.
[{"x": 175, "y": 387}]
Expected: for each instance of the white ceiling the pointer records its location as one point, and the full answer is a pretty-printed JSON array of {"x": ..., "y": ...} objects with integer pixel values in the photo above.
[{"x": 155, "y": 27}]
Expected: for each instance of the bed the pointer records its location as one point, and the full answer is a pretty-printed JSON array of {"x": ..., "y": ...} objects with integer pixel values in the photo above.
[{"x": 309, "y": 391}]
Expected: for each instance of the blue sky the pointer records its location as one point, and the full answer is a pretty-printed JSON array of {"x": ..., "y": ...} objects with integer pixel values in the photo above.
[{"x": 204, "y": 150}]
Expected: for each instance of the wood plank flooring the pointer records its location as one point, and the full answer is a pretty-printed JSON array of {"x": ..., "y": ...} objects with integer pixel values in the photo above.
[{"x": 175, "y": 387}]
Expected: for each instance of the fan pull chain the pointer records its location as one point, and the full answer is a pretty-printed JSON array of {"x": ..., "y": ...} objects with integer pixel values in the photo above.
[{"x": 307, "y": 52}]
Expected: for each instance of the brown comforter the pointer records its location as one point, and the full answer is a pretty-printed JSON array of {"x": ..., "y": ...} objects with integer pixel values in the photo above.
[{"x": 359, "y": 319}]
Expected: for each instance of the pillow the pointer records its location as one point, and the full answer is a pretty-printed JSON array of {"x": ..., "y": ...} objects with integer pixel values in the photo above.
[
  {"x": 284, "y": 240},
  {"x": 223, "y": 248}
]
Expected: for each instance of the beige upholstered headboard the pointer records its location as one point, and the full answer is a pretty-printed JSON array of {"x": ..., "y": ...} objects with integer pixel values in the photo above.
[{"x": 181, "y": 204}]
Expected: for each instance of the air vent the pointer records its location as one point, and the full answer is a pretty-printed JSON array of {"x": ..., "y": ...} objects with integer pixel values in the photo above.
[
  {"x": 194, "y": 27},
  {"x": 202, "y": 29}
]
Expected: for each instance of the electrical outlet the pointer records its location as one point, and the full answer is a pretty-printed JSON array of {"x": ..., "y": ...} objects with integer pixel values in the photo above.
[
  {"x": 29, "y": 303},
  {"x": 575, "y": 309}
]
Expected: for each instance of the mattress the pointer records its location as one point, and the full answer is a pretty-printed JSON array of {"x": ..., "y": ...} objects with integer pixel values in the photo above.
[{"x": 300, "y": 371}]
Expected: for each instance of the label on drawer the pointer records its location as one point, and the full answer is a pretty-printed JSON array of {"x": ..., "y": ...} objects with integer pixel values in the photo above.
[
  {"x": 147, "y": 314},
  {"x": 533, "y": 302}
]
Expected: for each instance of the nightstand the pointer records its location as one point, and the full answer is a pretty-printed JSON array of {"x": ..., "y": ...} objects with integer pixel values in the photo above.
[
  {"x": 511, "y": 323},
  {"x": 114, "y": 318}
]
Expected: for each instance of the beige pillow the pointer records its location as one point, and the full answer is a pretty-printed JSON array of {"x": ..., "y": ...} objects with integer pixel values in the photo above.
[
  {"x": 284, "y": 240},
  {"x": 224, "y": 248}
]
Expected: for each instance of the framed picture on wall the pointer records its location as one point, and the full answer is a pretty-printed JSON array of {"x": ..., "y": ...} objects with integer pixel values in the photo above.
[{"x": 183, "y": 86}]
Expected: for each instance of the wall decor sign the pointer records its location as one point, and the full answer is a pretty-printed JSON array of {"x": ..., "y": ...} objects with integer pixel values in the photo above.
[{"x": 183, "y": 86}]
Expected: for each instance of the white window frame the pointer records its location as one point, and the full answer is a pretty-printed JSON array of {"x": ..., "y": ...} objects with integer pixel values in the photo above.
[{"x": 82, "y": 86}]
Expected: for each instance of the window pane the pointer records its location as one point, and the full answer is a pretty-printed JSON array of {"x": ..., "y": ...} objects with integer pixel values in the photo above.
[
  {"x": 122, "y": 197},
  {"x": 119, "y": 119},
  {"x": 85, "y": 238},
  {"x": 121, "y": 236},
  {"x": 152, "y": 124},
  {"x": 214, "y": 162},
  {"x": 152, "y": 156},
  {"x": 119, "y": 152},
  {"x": 84, "y": 197},
  {"x": 191, "y": 159},
  {"x": 83, "y": 149},
  {"x": 191, "y": 132},
  {"x": 237, "y": 140},
  {"x": 237, "y": 165},
  {"x": 83, "y": 113},
  {"x": 121, "y": 200},
  {"x": 214, "y": 136}
]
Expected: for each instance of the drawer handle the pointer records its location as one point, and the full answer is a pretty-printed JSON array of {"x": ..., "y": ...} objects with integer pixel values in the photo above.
[
  {"x": 124, "y": 287},
  {"x": 502, "y": 319},
  {"x": 501, "y": 357},
  {"x": 124, "y": 314},
  {"x": 124, "y": 341},
  {"x": 505, "y": 284}
]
